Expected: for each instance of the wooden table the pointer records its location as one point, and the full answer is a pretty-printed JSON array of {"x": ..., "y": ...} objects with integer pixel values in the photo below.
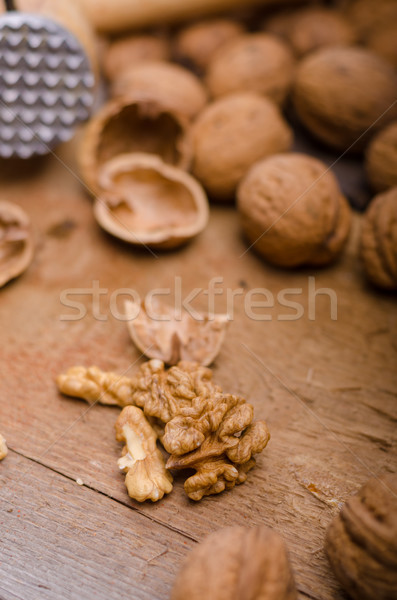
[{"x": 327, "y": 389}]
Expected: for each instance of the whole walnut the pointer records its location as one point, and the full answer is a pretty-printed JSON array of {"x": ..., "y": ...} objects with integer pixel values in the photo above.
[
  {"x": 237, "y": 563},
  {"x": 196, "y": 44},
  {"x": 379, "y": 240},
  {"x": 368, "y": 16},
  {"x": 129, "y": 49},
  {"x": 381, "y": 158},
  {"x": 292, "y": 211},
  {"x": 254, "y": 62},
  {"x": 384, "y": 42},
  {"x": 230, "y": 135},
  {"x": 343, "y": 95},
  {"x": 361, "y": 542}
]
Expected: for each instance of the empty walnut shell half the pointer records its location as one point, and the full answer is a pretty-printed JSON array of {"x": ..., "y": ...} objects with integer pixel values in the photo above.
[
  {"x": 361, "y": 542},
  {"x": 159, "y": 332},
  {"x": 379, "y": 240},
  {"x": 16, "y": 242},
  {"x": 147, "y": 202},
  {"x": 132, "y": 124},
  {"x": 240, "y": 563}
]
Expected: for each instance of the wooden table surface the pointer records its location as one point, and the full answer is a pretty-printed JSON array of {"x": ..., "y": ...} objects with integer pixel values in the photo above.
[{"x": 327, "y": 389}]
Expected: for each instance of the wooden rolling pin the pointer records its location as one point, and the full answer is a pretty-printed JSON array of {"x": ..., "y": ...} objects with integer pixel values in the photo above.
[{"x": 112, "y": 16}]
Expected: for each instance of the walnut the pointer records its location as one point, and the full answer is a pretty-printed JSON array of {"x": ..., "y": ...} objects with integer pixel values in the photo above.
[
  {"x": 173, "y": 86},
  {"x": 361, "y": 542},
  {"x": 132, "y": 124},
  {"x": 133, "y": 48},
  {"x": 237, "y": 562},
  {"x": 254, "y": 62},
  {"x": 384, "y": 42},
  {"x": 381, "y": 158},
  {"x": 93, "y": 385},
  {"x": 159, "y": 332},
  {"x": 368, "y": 16},
  {"x": 147, "y": 478},
  {"x": 16, "y": 241},
  {"x": 147, "y": 202},
  {"x": 3, "y": 448},
  {"x": 196, "y": 44},
  {"x": 379, "y": 240},
  {"x": 293, "y": 212},
  {"x": 332, "y": 97},
  {"x": 230, "y": 135}
]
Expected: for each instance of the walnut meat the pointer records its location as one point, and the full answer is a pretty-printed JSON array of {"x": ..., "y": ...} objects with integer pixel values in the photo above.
[
  {"x": 379, "y": 240},
  {"x": 236, "y": 562},
  {"x": 381, "y": 158},
  {"x": 196, "y": 44},
  {"x": 146, "y": 475},
  {"x": 129, "y": 49},
  {"x": 293, "y": 212},
  {"x": 3, "y": 448},
  {"x": 16, "y": 241},
  {"x": 159, "y": 332},
  {"x": 147, "y": 202},
  {"x": 230, "y": 135},
  {"x": 132, "y": 124},
  {"x": 171, "y": 85},
  {"x": 334, "y": 100},
  {"x": 93, "y": 385},
  {"x": 254, "y": 62},
  {"x": 361, "y": 541}
]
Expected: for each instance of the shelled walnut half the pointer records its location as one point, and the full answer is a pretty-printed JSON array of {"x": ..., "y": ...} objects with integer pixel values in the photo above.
[
  {"x": 146, "y": 475},
  {"x": 16, "y": 241},
  {"x": 3, "y": 448},
  {"x": 237, "y": 563}
]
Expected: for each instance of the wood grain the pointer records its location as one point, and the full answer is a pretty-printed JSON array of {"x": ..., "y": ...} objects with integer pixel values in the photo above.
[{"x": 327, "y": 388}]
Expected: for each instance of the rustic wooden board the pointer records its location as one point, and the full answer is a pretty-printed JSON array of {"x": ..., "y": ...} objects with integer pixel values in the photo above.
[{"x": 326, "y": 387}]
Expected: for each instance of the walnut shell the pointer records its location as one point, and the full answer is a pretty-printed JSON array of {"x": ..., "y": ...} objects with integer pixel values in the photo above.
[
  {"x": 361, "y": 541},
  {"x": 248, "y": 564},
  {"x": 133, "y": 124},
  {"x": 196, "y": 44},
  {"x": 129, "y": 49},
  {"x": 16, "y": 241},
  {"x": 230, "y": 135},
  {"x": 172, "y": 85},
  {"x": 384, "y": 42},
  {"x": 293, "y": 212},
  {"x": 340, "y": 95},
  {"x": 381, "y": 158},
  {"x": 254, "y": 62},
  {"x": 146, "y": 202},
  {"x": 368, "y": 16},
  {"x": 379, "y": 240}
]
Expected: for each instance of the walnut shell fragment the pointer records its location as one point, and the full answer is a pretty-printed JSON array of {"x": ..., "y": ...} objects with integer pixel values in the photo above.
[
  {"x": 16, "y": 241},
  {"x": 334, "y": 100},
  {"x": 147, "y": 202},
  {"x": 3, "y": 448},
  {"x": 171, "y": 85},
  {"x": 293, "y": 212},
  {"x": 230, "y": 135},
  {"x": 381, "y": 158},
  {"x": 379, "y": 240},
  {"x": 133, "y": 48},
  {"x": 146, "y": 475},
  {"x": 240, "y": 563},
  {"x": 128, "y": 125},
  {"x": 160, "y": 332},
  {"x": 256, "y": 62},
  {"x": 361, "y": 541}
]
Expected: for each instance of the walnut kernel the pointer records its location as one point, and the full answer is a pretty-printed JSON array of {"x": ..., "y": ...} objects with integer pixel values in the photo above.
[
  {"x": 16, "y": 241},
  {"x": 3, "y": 448}
]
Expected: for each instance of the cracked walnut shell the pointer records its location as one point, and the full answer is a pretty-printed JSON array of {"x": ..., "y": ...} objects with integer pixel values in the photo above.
[
  {"x": 361, "y": 542},
  {"x": 293, "y": 212},
  {"x": 147, "y": 202},
  {"x": 159, "y": 332},
  {"x": 379, "y": 240},
  {"x": 230, "y": 135},
  {"x": 238, "y": 563},
  {"x": 146, "y": 475},
  {"x": 381, "y": 159},
  {"x": 256, "y": 62},
  {"x": 343, "y": 95},
  {"x": 128, "y": 125},
  {"x": 16, "y": 241}
]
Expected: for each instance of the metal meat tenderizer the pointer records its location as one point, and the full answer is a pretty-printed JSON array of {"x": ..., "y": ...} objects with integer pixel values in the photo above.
[{"x": 46, "y": 84}]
